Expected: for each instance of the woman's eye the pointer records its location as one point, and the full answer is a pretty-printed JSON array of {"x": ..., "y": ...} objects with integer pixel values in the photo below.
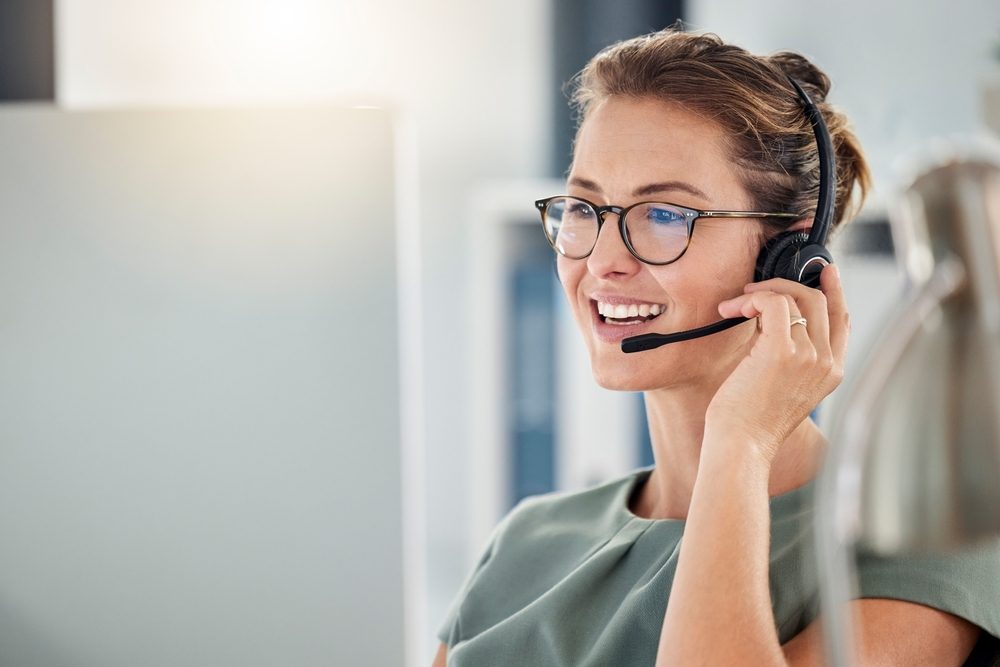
[
  {"x": 665, "y": 215},
  {"x": 580, "y": 209}
]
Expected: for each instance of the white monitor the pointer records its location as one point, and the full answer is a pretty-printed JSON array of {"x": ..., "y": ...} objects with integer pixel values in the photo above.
[{"x": 199, "y": 389}]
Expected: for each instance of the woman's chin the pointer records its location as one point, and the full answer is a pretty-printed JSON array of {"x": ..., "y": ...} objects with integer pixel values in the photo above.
[
  {"x": 619, "y": 384},
  {"x": 643, "y": 371},
  {"x": 619, "y": 377}
]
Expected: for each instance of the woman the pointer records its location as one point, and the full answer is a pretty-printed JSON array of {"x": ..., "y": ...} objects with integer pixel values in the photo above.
[{"x": 602, "y": 577}]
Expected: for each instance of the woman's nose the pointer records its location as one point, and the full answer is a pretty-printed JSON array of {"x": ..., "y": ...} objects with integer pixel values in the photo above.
[{"x": 610, "y": 256}]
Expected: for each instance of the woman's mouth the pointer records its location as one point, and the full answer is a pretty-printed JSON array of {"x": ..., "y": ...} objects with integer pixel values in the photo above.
[
  {"x": 614, "y": 322},
  {"x": 622, "y": 314}
]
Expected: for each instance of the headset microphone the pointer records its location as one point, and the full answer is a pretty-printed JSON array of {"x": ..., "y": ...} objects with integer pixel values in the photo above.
[{"x": 793, "y": 255}]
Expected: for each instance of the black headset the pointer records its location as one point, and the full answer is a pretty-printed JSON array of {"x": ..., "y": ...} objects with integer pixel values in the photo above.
[{"x": 797, "y": 256}]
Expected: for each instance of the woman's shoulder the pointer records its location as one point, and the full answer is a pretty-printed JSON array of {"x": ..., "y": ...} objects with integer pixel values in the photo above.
[
  {"x": 540, "y": 547},
  {"x": 964, "y": 581}
]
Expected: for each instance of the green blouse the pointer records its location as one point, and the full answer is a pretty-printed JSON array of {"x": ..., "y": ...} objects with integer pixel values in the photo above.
[{"x": 575, "y": 578}]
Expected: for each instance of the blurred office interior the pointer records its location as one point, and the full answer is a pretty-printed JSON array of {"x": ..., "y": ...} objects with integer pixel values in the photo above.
[{"x": 487, "y": 390}]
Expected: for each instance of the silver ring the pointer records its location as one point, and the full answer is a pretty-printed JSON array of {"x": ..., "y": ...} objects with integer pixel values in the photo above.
[{"x": 797, "y": 320}]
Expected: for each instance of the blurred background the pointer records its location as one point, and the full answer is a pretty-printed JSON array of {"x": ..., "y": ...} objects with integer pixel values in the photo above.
[{"x": 321, "y": 212}]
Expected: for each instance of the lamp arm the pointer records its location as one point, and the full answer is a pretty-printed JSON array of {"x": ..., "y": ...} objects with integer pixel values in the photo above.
[{"x": 838, "y": 489}]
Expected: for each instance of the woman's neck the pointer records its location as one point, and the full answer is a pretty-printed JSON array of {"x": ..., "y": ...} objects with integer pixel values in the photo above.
[{"x": 677, "y": 425}]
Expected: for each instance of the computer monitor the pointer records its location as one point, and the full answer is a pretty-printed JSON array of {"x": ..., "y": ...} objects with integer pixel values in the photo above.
[{"x": 199, "y": 388}]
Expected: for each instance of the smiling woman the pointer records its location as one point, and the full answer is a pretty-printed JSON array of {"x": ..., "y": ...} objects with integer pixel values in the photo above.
[{"x": 676, "y": 129}]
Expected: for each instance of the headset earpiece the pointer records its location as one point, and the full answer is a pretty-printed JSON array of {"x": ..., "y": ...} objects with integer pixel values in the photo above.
[
  {"x": 792, "y": 256},
  {"x": 781, "y": 250}
]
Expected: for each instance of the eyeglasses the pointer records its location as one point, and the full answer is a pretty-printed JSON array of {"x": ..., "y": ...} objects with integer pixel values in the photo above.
[{"x": 656, "y": 233}]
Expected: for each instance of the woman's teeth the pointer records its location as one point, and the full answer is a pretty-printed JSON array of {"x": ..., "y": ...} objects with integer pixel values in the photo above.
[{"x": 613, "y": 313}]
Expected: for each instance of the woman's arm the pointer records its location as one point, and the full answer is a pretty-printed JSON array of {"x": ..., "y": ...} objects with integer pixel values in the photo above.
[
  {"x": 441, "y": 659},
  {"x": 893, "y": 632},
  {"x": 719, "y": 610}
]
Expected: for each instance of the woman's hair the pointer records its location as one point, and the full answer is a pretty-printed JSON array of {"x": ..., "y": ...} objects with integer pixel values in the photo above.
[{"x": 768, "y": 134}]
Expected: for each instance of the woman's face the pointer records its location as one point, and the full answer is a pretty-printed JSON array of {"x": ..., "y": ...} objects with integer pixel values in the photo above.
[{"x": 630, "y": 150}]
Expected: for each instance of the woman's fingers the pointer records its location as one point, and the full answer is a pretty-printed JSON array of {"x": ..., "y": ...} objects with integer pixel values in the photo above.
[
  {"x": 825, "y": 309},
  {"x": 774, "y": 310},
  {"x": 840, "y": 318},
  {"x": 814, "y": 306}
]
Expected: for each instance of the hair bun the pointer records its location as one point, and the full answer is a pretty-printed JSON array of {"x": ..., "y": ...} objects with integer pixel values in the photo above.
[{"x": 815, "y": 82}]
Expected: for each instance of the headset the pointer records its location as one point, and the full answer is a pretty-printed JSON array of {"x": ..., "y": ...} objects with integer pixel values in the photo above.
[{"x": 796, "y": 256}]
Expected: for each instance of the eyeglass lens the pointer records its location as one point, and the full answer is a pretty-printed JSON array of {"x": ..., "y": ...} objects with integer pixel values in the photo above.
[{"x": 657, "y": 232}]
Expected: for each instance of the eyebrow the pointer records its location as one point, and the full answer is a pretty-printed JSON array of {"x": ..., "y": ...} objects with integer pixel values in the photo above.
[{"x": 649, "y": 189}]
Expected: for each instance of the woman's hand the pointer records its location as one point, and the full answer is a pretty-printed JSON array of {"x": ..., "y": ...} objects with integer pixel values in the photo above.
[{"x": 789, "y": 369}]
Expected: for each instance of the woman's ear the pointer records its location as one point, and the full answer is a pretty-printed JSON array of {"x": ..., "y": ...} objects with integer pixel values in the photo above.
[{"x": 803, "y": 225}]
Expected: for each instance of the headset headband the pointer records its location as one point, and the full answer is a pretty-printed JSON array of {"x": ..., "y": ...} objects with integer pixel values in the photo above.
[{"x": 827, "y": 169}]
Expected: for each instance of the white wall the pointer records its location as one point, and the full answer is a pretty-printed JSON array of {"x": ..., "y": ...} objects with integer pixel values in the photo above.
[{"x": 473, "y": 79}]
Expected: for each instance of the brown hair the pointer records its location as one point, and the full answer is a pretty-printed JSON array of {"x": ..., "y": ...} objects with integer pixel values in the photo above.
[{"x": 750, "y": 97}]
